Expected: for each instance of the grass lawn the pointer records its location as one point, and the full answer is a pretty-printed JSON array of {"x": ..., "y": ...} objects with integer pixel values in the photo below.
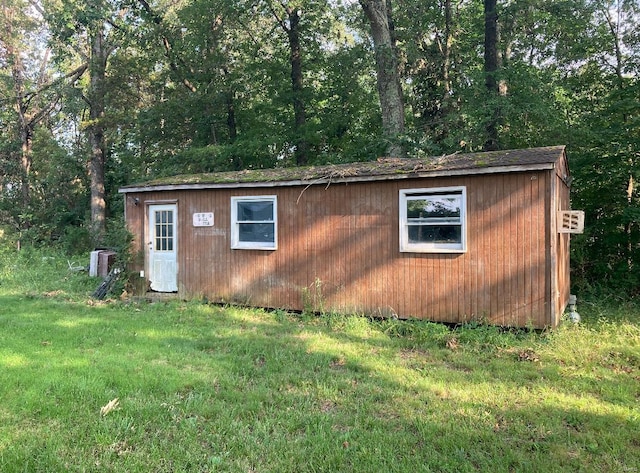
[{"x": 205, "y": 388}]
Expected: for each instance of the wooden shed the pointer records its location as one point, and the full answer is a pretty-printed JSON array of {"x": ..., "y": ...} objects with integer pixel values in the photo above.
[{"x": 482, "y": 236}]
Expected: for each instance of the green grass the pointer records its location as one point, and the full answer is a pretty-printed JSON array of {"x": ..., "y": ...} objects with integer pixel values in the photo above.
[{"x": 206, "y": 388}]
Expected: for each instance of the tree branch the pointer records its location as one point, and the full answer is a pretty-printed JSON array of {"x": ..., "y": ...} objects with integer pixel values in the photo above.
[
  {"x": 280, "y": 21},
  {"x": 74, "y": 75},
  {"x": 157, "y": 19}
]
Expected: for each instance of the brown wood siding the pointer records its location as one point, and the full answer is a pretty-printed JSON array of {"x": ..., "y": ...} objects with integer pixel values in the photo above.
[
  {"x": 563, "y": 277},
  {"x": 338, "y": 249},
  {"x": 558, "y": 245}
]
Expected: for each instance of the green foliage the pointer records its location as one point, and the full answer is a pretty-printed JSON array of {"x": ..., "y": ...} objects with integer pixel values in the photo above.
[
  {"x": 606, "y": 176},
  {"x": 118, "y": 239}
]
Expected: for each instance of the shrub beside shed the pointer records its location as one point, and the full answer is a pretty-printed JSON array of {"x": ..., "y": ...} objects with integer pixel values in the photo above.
[{"x": 482, "y": 236}]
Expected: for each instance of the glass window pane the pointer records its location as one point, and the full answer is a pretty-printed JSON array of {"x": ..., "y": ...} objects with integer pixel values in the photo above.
[
  {"x": 255, "y": 211},
  {"x": 256, "y": 232},
  {"x": 435, "y": 234},
  {"x": 441, "y": 208},
  {"x": 164, "y": 230}
]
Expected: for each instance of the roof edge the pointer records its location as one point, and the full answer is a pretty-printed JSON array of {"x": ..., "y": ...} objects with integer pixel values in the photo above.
[{"x": 339, "y": 180}]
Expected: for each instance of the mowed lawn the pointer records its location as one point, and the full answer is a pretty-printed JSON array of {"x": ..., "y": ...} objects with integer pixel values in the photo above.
[{"x": 204, "y": 388}]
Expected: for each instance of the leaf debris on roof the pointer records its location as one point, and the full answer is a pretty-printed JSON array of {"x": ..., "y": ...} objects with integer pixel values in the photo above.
[{"x": 370, "y": 169}]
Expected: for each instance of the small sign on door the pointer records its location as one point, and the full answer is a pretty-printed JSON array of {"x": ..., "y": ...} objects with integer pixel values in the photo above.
[{"x": 203, "y": 219}]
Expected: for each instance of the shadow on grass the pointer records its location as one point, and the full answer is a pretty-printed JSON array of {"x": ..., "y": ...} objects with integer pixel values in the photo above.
[{"x": 207, "y": 388}]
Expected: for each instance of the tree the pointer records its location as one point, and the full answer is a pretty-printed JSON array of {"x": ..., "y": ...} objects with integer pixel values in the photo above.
[
  {"x": 95, "y": 127},
  {"x": 195, "y": 124},
  {"x": 379, "y": 16},
  {"x": 35, "y": 94},
  {"x": 27, "y": 93},
  {"x": 94, "y": 38},
  {"x": 290, "y": 24},
  {"x": 492, "y": 63},
  {"x": 605, "y": 88},
  {"x": 441, "y": 41}
]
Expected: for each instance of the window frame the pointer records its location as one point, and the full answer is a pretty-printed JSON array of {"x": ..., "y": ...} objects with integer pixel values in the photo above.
[
  {"x": 236, "y": 244},
  {"x": 405, "y": 195}
]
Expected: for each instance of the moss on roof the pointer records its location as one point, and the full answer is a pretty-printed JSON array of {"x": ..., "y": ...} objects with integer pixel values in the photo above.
[{"x": 371, "y": 169}]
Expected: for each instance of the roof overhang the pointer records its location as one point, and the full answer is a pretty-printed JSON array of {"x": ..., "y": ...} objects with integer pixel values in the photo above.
[{"x": 338, "y": 180}]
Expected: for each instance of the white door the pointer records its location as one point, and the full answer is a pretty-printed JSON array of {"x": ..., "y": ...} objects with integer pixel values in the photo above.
[{"x": 163, "y": 267}]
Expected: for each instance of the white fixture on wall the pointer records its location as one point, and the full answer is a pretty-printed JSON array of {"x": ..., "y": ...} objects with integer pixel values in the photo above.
[{"x": 570, "y": 221}]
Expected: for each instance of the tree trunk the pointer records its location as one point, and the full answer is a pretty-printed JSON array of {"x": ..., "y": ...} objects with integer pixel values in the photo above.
[
  {"x": 95, "y": 130},
  {"x": 491, "y": 68},
  {"x": 25, "y": 127},
  {"x": 26, "y": 136},
  {"x": 25, "y": 130},
  {"x": 446, "y": 49},
  {"x": 445, "y": 45},
  {"x": 291, "y": 27},
  {"x": 232, "y": 126},
  {"x": 378, "y": 13},
  {"x": 297, "y": 85}
]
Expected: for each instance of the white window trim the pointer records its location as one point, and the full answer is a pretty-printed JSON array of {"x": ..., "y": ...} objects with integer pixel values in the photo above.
[
  {"x": 236, "y": 244},
  {"x": 406, "y": 247}
]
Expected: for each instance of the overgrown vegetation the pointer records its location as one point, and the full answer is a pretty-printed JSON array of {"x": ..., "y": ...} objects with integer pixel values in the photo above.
[{"x": 210, "y": 388}]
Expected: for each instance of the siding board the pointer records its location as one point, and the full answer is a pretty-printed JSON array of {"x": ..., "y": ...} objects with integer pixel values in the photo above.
[
  {"x": 548, "y": 267},
  {"x": 478, "y": 247},
  {"x": 519, "y": 264},
  {"x": 537, "y": 249},
  {"x": 496, "y": 225},
  {"x": 512, "y": 249},
  {"x": 538, "y": 267},
  {"x": 527, "y": 249}
]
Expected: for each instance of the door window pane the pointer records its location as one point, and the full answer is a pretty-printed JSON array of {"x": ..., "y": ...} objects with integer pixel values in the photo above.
[{"x": 164, "y": 230}]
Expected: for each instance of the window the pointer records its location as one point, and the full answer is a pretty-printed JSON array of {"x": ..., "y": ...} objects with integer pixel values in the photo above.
[
  {"x": 433, "y": 220},
  {"x": 253, "y": 223},
  {"x": 164, "y": 230}
]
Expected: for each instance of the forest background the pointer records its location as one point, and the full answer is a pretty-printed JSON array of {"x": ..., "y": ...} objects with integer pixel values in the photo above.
[{"x": 97, "y": 94}]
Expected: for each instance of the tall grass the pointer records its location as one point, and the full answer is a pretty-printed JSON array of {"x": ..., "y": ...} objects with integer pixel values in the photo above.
[
  {"x": 32, "y": 272},
  {"x": 209, "y": 388}
]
